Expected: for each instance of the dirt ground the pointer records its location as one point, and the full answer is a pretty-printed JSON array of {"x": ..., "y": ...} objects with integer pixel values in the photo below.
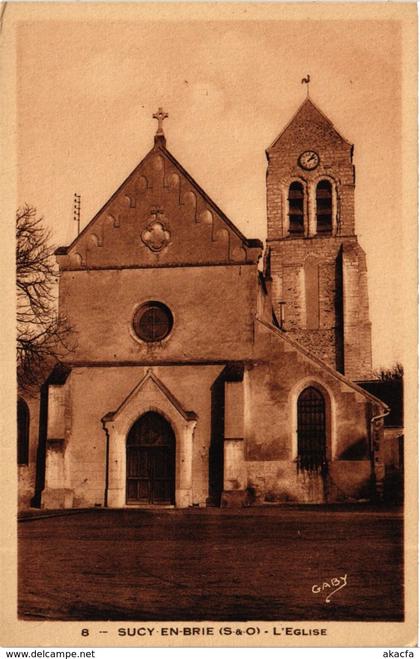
[{"x": 215, "y": 564}]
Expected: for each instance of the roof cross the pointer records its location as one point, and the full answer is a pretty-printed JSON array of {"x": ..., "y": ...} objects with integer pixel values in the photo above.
[{"x": 160, "y": 116}]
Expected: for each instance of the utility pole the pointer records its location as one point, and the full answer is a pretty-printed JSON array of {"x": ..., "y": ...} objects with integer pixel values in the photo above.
[{"x": 76, "y": 211}]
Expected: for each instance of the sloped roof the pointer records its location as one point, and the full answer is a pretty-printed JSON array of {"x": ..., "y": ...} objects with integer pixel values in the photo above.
[
  {"x": 307, "y": 108},
  {"x": 151, "y": 377},
  {"x": 338, "y": 376},
  {"x": 161, "y": 148}
]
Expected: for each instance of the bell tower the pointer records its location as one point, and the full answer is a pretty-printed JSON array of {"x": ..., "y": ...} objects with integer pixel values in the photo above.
[{"x": 317, "y": 266}]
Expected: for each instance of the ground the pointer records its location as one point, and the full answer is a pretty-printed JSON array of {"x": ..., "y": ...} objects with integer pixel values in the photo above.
[{"x": 214, "y": 564}]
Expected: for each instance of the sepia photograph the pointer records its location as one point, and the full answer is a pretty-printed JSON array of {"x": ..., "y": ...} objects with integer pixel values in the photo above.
[{"x": 216, "y": 317}]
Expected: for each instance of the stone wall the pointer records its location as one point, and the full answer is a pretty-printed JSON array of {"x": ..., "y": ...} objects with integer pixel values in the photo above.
[{"x": 212, "y": 309}]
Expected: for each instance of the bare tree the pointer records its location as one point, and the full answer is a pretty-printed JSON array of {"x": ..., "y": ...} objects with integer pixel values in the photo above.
[
  {"x": 42, "y": 336},
  {"x": 395, "y": 372}
]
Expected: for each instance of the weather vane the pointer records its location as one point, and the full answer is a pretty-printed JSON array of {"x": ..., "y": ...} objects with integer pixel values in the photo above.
[{"x": 306, "y": 81}]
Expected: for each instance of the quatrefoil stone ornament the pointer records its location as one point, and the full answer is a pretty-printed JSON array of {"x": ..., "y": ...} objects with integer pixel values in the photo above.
[{"x": 156, "y": 235}]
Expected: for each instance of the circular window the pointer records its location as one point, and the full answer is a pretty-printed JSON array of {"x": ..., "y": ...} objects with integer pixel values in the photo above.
[{"x": 152, "y": 322}]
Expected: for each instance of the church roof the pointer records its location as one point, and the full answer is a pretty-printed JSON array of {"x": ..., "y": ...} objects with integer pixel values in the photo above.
[
  {"x": 308, "y": 112},
  {"x": 160, "y": 148},
  {"x": 250, "y": 242},
  {"x": 309, "y": 355}
]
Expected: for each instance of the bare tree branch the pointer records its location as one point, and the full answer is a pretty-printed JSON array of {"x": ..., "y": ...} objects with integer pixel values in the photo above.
[
  {"x": 43, "y": 337},
  {"x": 395, "y": 372}
]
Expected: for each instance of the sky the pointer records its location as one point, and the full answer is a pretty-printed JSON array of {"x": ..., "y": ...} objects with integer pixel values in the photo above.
[{"x": 88, "y": 80}]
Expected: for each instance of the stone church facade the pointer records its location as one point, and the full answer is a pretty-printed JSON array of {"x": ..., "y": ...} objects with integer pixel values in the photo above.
[{"x": 198, "y": 378}]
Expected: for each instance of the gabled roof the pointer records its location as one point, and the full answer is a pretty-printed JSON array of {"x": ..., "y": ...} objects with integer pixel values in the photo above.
[
  {"x": 160, "y": 148},
  {"x": 308, "y": 107},
  {"x": 64, "y": 249},
  {"x": 150, "y": 377},
  {"x": 250, "y": 242}
]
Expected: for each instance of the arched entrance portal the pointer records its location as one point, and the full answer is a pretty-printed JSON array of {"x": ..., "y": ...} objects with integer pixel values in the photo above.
[{"x": 151, "y": 461}]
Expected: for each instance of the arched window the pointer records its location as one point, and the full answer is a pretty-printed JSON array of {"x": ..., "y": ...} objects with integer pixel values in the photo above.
[
  {"x": 296, "y": 201},
  {"x": 22, "y": 432},
  {"x": 312, "y": 443},
  {"x": 324, "y": 207}
]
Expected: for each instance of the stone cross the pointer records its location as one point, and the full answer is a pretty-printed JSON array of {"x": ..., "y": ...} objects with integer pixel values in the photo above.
[{"x": 160, "y": 116}]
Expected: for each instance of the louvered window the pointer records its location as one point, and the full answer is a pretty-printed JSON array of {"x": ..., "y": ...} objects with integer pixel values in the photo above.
[
  {"x": 296, "y": 201},
  {"x": 324, "y": 207}
]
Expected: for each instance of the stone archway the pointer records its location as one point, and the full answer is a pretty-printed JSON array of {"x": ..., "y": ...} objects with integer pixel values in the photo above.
[{"x": 149, "y": 396}]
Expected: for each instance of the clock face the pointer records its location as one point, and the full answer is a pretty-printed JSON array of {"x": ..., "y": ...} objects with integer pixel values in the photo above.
[{"x": 308, "y": 160}]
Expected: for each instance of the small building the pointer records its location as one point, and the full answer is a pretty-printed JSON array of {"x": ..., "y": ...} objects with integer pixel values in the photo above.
[
  {"x": 199, "y": 378},
  {"x": 390, "y": 390}
]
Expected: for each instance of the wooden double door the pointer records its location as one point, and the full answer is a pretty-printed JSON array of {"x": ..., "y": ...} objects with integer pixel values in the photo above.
[{"x": 151, "y": 461}]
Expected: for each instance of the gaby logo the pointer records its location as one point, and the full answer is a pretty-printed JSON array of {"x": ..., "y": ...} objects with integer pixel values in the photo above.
[{"x": 330, "y": 587}]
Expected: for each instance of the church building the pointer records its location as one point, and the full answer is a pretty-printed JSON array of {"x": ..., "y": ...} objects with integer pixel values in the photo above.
[{"x": 207, "y": 370}]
